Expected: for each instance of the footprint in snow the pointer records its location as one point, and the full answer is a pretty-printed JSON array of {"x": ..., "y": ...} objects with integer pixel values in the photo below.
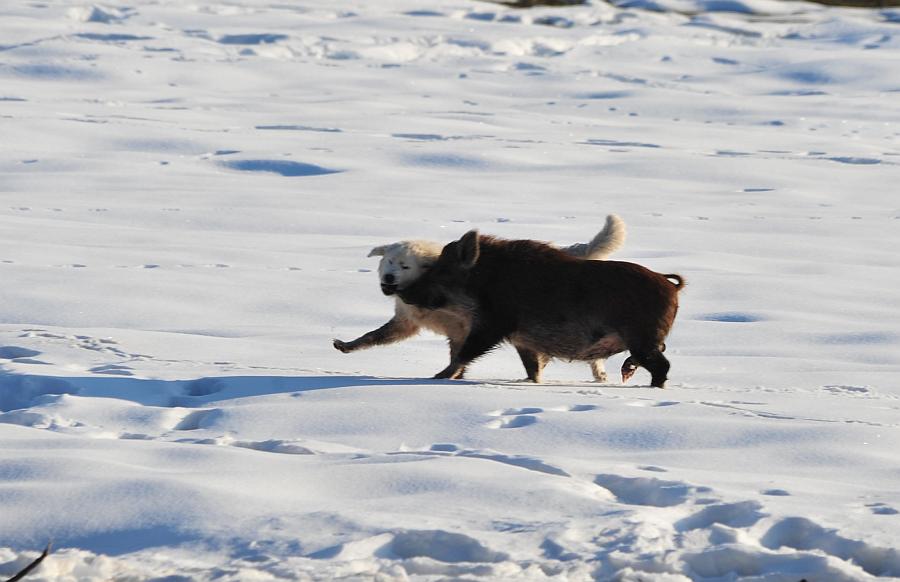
[
  {"x": 776, "y": 492},
  {"x": 285, "y": 168},
  {"x": 283, "y": 447},
  {"x": 292, "y": 127},
  {"x": 651, "y": 404},
  {"x": 521, "y": 461},
  {"x": 516, "y": 411},
  {"x": 199, "y": 419},
  {"x": 517, "y": 421},
  {"x": 112, "y": 370},
  {"x": 882, "y": 509},
  {"x": 740, "y": 514},
  {"x": 855, "y": 161},
  {"x": 578, "y": 408},
  {"x": 15, "y": 352},
  {"x": 204, "y": 387},
  {"x": 799, "y": 533},
  {"x": 526, "y": 416},
  {"x": 251, "y": 39},
  {"x": 647, "y": 490},
  {"x": 730, "y": 317}
]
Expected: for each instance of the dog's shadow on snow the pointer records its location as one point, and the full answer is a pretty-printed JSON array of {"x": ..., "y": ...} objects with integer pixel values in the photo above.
[{"x": 22, "y": 391}]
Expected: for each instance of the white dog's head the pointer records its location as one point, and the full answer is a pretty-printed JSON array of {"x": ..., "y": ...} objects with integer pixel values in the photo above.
[{"x": 403, "y": 262}]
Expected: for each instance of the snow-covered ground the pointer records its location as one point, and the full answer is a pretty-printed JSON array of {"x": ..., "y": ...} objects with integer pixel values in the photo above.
[{"x": 189, "y": 191}]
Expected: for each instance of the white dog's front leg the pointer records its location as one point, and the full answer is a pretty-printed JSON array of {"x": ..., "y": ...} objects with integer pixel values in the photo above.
[{"x": 393, "y": 331}]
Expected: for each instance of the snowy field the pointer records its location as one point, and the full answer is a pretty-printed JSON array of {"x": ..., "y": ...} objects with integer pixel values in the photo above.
[{"x": 189, "y": 192}]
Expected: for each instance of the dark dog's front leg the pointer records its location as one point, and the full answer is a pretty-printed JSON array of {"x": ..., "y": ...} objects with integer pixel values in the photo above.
[
  {"x": 534, "y": 363},
  {"x": 477, "y": 343},
  {"x": 393, "y": 331}
]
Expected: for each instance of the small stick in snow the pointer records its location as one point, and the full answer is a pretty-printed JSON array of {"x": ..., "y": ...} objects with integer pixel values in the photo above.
[{"x": 27, "y": 569}]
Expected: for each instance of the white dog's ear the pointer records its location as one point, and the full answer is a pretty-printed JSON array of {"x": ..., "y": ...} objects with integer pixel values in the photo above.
[{"x": 378, "y": 251}]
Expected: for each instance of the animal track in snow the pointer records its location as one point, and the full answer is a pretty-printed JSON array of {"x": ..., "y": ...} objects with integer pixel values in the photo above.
[
  {"x": 799, "y": 533},
  {"x": 112, "y": 38},
  {"x": 517, "y": 421},
  {"x": 103, "y": 345},
  {"x": 275, "y": 446},
  {"x": 842, "y": 390},
  {"x": 855, "y": 161},
  {"x": 40, "y": 420},
  {"x": 251, "y": 39},
  {"x": 740, "y": 514},
  {"x": 882, "y": 509},
  {"x": 204, "y": 387},
  {"x": 199, "y": 419},
  {"x": 652, "y": 403},
  {"x": 285, "y": 168},
  {"x": 647, "y": 491},
  {"x": 576, "y": 408},
  {"x": 730, "y": 317},
  {"x": 298, "y": 128},
  {"x": 516, "y": 411},
  {"x": 467, "y": 554},
  {"x": 776, "y": 492},
  {"x": 112, "y": 370},
  {"x": 23, "y": 391},
  {"x": 523, "y": 461},
  {"x": 526, "y": 416},
  {"x": 621, "y": 144},
  {"x": 15, "y": 353}
]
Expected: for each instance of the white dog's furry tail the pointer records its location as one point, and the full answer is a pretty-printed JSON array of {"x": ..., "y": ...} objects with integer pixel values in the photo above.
[{"x": 607, "y": 241}]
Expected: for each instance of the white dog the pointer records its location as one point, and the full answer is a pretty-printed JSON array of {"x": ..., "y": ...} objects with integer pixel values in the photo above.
[{"x": 403, "y": 262}]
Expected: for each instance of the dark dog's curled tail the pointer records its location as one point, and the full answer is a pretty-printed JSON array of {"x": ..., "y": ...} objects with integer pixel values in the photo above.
[{"x": 676, "y": 280}]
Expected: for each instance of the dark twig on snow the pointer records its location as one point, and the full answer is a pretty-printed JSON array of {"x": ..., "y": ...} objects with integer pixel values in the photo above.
[{"x": 27, "y": 569}]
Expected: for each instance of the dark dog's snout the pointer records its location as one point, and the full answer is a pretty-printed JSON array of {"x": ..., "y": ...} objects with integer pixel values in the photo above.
[{"x": 388, "y": 279}]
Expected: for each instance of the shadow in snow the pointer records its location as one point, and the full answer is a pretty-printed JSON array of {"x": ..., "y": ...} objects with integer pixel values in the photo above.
[
  {"x": 730, "y": 317},
  {"x": 281, "y": 167},
  {"x": 252, "y": 39},
  {"x": 116, "y": 543},
  {"x": 111, "y": 37},
  {"x": 22, "y": 391}
]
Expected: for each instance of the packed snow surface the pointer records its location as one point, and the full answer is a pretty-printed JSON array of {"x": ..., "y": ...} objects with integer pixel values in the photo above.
[{"x": 189, "y": 192}]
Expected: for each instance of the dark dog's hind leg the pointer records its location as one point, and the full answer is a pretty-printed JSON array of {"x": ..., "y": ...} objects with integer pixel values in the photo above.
[
  {"x": 655, "y": 363},
  {"x": 455, "y": 345},
  {"x": 534, "y": 363}
]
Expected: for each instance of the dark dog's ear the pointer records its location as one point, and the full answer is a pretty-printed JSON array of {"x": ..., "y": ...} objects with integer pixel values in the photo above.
[{"x": 468, "y": 249}]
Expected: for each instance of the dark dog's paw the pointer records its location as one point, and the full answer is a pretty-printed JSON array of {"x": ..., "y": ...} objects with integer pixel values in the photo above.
[
  {"x": 450, "y": 373},
  {"x": 341, "y": 346}
]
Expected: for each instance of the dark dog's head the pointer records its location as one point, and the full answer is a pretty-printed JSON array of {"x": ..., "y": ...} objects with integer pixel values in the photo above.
[{"x": 447, "y": 277}]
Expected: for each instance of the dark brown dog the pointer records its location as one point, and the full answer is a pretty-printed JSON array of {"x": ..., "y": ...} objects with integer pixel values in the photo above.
[{"x": 549, "y": 304}]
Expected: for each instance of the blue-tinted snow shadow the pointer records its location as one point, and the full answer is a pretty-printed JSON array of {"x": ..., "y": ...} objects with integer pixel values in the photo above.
[
  {"x": 252, "y": 39},
  {"x": 111, "y": 37},
  {"x": 19, "y": 391},
  {"x": 282, "y": 167},
  {"x": 731, "y": 317},
  {"x": 118, "y": 542}
]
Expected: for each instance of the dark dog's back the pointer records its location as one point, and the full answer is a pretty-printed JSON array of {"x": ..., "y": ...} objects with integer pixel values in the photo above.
[{"x": 535, "y": 290}]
